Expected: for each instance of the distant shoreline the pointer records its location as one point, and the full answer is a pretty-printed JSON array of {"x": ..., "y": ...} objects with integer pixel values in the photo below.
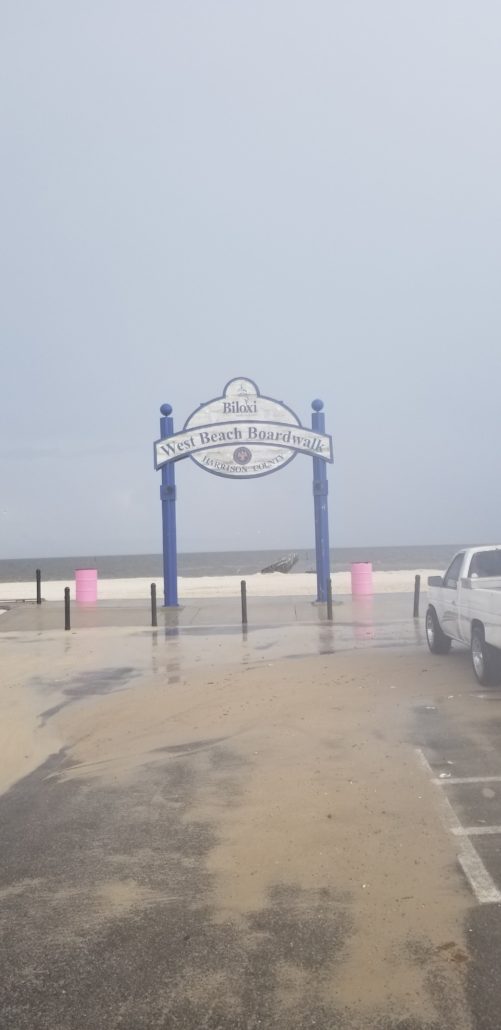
[{"x": 225, "y": 563}]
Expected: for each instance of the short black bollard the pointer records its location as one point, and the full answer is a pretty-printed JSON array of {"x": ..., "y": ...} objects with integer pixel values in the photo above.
[
  {"x": 329, "y": 599},
  {"x": 417, "y": 588},
  {"x": 39, "y": 586},
  {"x": 243, "y": 592},
  {"x": 154, "y": 620},
  {"x": 67, "y": 623}
]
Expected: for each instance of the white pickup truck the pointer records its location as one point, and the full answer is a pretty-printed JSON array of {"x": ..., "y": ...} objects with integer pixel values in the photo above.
[{"x": 465, "y": 605}]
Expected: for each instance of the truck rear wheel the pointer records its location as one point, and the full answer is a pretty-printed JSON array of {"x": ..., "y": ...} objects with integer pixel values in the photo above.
[
  {"x": 485, "y": 659},
  {"x": 438, "y": 642}
]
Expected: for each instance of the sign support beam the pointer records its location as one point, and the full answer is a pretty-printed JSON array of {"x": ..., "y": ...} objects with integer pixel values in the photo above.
[
  {"x": 321, "y": 506},
  {"x": 168, "y": 498}
]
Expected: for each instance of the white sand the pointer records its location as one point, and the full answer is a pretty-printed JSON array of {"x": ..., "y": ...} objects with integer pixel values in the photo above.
[{"x": 272, "y": 585}]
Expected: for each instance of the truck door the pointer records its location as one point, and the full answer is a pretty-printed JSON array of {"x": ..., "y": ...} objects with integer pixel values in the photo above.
[
  {"x": 450, "y": 617},
  {"x": 484, "y": 564}
]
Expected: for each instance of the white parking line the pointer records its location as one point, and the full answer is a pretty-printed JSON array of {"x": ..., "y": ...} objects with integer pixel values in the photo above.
[
  {"x": 443, "y": 780},
  {"x": 476, "y": 831},
  {"x": 480, "y": 880}
]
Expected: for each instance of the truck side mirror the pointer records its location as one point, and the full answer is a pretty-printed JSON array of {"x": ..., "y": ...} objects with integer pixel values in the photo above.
[{"x": 435, "y": 581}]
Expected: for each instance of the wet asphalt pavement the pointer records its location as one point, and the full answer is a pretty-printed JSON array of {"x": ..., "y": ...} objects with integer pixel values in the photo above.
[
  {"x": 150, "y": 957},
  {"x": 461, "y": 741},
  {"x": 67, "y": 964},
  {"x": 154, "y": 968}
]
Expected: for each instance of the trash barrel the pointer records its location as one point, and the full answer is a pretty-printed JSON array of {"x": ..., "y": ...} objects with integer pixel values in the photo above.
[
  {"x": 86, "y": 586},
  {"x": 361, "y": 579}
]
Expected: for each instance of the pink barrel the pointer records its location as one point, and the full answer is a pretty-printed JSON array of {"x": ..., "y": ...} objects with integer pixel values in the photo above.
[
  {"x": 86, "y": 586},
  {"x": 361, "y": 579}
]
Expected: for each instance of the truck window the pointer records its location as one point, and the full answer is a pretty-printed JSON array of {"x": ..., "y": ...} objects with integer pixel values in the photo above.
[
  {"x": 452, "y": 575},
  {"x": 485, "y": 563}
]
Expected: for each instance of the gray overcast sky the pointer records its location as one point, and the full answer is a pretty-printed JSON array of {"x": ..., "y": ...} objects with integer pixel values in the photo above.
[{"x": 307, "y": 194}]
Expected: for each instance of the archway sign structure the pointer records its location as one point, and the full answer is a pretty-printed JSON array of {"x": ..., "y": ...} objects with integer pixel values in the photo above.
[{"x": 243, "y": 435}]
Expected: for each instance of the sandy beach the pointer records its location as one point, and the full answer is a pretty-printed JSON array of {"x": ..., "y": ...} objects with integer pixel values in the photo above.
[{"x": 272, "y": 585}]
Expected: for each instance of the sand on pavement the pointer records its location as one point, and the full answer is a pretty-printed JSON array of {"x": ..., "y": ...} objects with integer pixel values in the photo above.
[{"x": 321, "y": 832}]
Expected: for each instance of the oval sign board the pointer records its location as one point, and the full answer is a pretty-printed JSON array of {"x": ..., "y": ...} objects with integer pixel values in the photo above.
[
  {"x": 237, "y": 445},
  {"x": 242, "y": 434}
]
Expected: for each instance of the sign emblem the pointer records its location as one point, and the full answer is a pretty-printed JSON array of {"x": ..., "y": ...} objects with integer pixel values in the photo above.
[
  {"x": 242, "y": 434},
  {"x": 242, "y": 455}
]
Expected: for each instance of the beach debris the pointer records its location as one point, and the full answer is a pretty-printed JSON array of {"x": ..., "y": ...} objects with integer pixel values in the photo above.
[
  {"x": 445, "y": 776},
  {"x": 283, "y": 564}
]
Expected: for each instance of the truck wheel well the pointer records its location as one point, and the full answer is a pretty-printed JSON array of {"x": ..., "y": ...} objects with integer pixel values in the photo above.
[{"x": 477, "y": 624}]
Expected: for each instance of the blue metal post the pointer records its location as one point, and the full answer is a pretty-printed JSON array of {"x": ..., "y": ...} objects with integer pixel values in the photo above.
[
  {"x": 168, "y": 498},
  {"x": 320, "y": 492}
]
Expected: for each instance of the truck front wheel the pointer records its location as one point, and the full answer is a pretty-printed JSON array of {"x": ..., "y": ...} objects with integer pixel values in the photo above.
[
  {"x": 485, "y": 659},
  {"x": 438, "y": 642}
]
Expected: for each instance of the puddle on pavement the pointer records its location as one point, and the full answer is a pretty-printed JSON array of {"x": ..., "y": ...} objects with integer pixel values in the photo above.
[{"x": 86, "y": 684}]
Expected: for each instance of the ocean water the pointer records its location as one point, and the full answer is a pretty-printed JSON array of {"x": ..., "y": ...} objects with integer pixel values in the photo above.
[{"x": 225, "y": 563}]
